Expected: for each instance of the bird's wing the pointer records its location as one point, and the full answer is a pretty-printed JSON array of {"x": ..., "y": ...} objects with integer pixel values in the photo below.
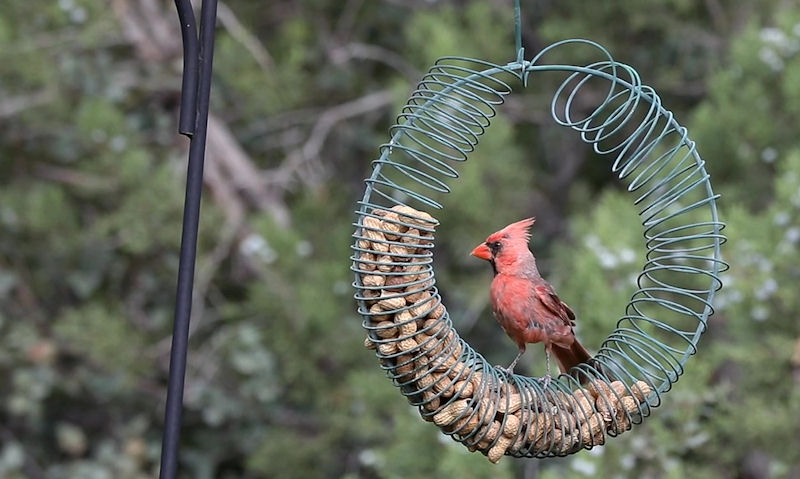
[{"x": 551, "y": 301}]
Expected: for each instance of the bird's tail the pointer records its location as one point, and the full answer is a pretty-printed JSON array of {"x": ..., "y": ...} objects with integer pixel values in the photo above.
[{"x": 576, "y": 354}]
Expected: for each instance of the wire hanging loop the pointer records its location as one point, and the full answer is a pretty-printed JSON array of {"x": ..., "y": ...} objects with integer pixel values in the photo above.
[
  {"x": 518, "y": 30},
  {"x": 409, "y": 327},
  {"x": 520, "y": 52}
]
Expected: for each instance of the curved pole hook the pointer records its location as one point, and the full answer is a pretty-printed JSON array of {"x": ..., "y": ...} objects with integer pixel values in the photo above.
[{"x": 193, "y": 122}]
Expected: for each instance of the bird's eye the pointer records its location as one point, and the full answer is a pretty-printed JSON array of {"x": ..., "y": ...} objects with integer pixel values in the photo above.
[{"x": 494, "y": 247}]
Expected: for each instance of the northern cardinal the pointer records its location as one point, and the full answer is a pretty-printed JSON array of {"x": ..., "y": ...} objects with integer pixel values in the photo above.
[{"x": 524, "y": 304}]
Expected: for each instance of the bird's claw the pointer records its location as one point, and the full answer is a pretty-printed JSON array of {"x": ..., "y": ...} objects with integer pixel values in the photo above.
[
  {"x": 546, "y": 380},
  {"x": 507, "y": 371}
]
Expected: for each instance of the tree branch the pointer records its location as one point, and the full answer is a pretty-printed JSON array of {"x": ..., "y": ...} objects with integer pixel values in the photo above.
[
  {"x": 14, "y": 105},
  {"x": 76, "y": 178},
  {"x": 364, "y": 51},
  {"x": 237, "y": 168},
  {"x": 241, "y": 34},
  {"x": 144, "y": 24},
  {"x": 307, "y": 157}
]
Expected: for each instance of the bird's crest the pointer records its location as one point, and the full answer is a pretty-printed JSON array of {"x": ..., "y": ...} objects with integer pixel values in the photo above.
[{"x": 515, "y": 231}]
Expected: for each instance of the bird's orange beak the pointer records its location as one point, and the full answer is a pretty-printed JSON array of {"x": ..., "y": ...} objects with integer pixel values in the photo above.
[{"x": 482, "y": 251}]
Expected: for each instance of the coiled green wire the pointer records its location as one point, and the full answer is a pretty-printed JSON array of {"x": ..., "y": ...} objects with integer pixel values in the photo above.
[{"x": 650, "y": 152}]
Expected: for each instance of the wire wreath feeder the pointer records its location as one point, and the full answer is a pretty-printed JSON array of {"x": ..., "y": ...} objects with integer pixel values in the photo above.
[{"x": 410, "y": 329}]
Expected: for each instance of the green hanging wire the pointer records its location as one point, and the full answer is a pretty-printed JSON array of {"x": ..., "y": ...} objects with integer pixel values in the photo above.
[{"x": 518, "y": 30}]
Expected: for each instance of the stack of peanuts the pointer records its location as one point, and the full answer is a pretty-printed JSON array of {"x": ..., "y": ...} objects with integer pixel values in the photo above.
[{"x": 452, "y": 386}]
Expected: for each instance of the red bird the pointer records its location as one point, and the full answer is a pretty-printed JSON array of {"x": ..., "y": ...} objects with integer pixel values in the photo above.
[{"x": 524, "y": 304}]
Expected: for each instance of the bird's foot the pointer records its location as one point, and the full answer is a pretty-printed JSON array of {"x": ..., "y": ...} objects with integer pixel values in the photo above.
[
  {"x": 546, "y": 379},
  {"x": 508, "y": 371}
]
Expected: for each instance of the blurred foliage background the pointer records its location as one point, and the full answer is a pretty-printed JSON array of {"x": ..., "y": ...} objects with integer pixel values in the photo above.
[{"x": 279, "y": 385}]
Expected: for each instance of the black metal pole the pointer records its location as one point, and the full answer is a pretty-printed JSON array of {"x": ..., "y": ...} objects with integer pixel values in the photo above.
[{"x": 193, "y": 123}]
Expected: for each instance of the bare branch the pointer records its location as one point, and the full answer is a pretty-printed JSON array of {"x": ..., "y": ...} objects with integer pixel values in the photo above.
[
  {"x": 344, "y": 25},
  {"x": 144, "y": 24},
  {"x": 329, "y": 119},
  {"x": 72, "y": 177},
  {"x": 375, "y": 53},
  {"x": 306, "y": 156},
  {"x": 237, "y": 167},
  {"x": 242, "y": 35},
  {"x": 16, "y": 104},
  {"x": 224, "y": 193},
  {"x": 717, "y": 13}
]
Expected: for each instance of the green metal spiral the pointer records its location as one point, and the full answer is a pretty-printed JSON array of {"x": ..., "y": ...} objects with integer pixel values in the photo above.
[{"x": 652, "y": 155}]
